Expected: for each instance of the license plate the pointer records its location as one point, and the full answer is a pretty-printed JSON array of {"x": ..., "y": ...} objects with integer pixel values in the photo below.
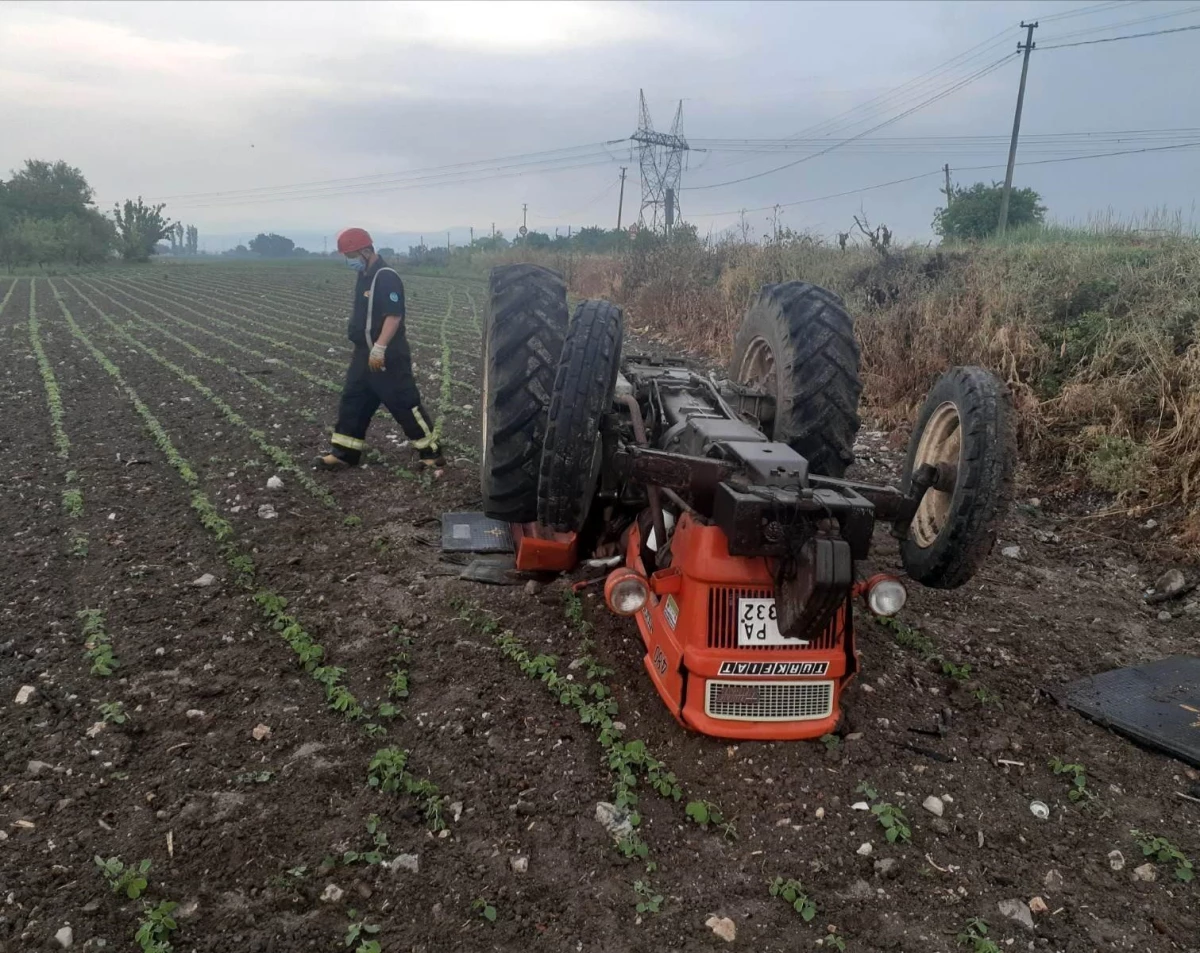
[{"x": 756, "y": 625}]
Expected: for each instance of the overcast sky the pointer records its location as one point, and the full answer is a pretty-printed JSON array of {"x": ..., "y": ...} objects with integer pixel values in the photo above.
[{"x": 167, "y": 99}]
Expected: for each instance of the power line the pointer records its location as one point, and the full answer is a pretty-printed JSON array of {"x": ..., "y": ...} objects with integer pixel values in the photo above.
[
  {"x": 369, "y": 179},
  {"x": 925, "y": 175},
  {"x": 1093, "y": 8},
  {"x": 1113, "y": 39},
  {"x": 602, "y": 160},
  {"x": 1124, "y": 23},
  {"x": 979, "y": 74}
]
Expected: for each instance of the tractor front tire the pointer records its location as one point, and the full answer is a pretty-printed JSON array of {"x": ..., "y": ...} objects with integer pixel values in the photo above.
[
  {"x": 797, "y": 342},
  {"x": 583, "y": 393},
  {"x": 966, "y": 426},
  {"x": 523, "y": 333}
]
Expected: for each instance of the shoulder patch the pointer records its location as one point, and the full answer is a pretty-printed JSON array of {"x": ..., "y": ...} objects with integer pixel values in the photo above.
[{"x": 394, "y": 296}]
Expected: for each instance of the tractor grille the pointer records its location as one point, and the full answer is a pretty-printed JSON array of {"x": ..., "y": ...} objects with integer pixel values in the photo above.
[
  {"x": 722, "y": 621},
  {"x": 768, "y": 701}
]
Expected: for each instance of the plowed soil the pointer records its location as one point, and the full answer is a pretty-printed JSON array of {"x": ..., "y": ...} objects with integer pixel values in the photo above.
[{"x": 245, "y": 790}]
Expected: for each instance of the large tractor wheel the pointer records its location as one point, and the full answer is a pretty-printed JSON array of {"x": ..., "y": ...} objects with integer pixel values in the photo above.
[
  {"x": 965, "y": 430},
  {"x": 523, "y": 334},
  {"x": 583, "y": 393},
  {"x": 797, "y": 342}
]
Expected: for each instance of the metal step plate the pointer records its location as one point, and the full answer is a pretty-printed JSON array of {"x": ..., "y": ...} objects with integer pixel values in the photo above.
[
  {"x": 475, "y": 533},
  {"x": 1157, "y": 704}
]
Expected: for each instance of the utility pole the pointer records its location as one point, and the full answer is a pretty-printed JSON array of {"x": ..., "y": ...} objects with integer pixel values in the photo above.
[
  {"x": 493, "y": 231},
  {"x": 1012, "y": 148},
  {"x": 621, "y": 199},
  {"x": 525, "y": 215},
  {"x": 949, "y": 193},
  {"x": 447, "y": 243},
  {"x": 472, "y": 234},
  {"x": 325, "y": 245},
  {"x": 669, "y": 210}
]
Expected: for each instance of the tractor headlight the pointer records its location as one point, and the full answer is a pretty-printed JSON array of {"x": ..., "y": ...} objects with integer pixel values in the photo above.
[
  {"x": 886, "y": 595},
  {"x": 626, "y": 592}
]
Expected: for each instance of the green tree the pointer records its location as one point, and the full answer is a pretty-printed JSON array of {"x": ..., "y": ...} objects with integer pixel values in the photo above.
[
  {"x": 46, "y": 215},
  {"x": 536, "y": 240},
  {"x": 272, "y": 246},
  {"x": 139, "y": 227},
  {"x": 975, "y": 212}
]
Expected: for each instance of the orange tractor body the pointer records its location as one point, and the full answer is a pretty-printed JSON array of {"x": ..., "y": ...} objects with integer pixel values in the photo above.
[{"x": 715, "y": 655}]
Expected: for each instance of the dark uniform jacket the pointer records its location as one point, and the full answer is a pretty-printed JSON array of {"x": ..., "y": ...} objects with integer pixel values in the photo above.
[{"x": 389, "y": 300}]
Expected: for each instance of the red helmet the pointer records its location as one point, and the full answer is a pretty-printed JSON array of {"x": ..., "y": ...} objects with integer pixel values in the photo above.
[{"x": 350, "y": 240}]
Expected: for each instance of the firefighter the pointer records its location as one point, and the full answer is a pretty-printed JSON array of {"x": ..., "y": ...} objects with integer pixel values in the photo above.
[{"x": 381, "y": 367}]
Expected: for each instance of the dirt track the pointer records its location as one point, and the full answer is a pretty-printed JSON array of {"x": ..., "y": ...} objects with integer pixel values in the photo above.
[{"x": 238, "y": 830}]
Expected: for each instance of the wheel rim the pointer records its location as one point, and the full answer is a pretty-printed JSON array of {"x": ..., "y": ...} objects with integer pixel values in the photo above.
[
  {"x": 941, "y": 443},
  {"x": 757, "y": 367}
]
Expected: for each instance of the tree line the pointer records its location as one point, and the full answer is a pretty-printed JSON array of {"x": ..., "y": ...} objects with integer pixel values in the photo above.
[{"x": 48, "y": 215}]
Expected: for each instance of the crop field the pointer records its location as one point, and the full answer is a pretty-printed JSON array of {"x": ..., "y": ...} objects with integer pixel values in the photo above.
[{"x": 240, "y": 719}]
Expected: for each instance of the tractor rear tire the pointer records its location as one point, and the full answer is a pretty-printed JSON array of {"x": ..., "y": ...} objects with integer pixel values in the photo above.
[
  {"x": 967, "y": 424},
  {"x": 583, "y": 393},
  {"x": 523, "y": 333},
  {"x": 797, "y": 341}
]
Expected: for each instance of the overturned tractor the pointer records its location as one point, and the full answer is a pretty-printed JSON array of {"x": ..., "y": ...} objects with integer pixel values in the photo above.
[{"x": 737, "y": 544}]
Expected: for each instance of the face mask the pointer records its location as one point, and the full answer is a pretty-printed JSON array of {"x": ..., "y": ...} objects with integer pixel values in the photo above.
[{"x": 356, "y": 263}]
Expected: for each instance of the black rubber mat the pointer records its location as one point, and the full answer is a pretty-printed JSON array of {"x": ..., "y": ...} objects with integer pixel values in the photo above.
[
  {"x": 1157, "y": 704},
  {"x": 494, "y": 570},
  {"x": 474, "y": 533}
]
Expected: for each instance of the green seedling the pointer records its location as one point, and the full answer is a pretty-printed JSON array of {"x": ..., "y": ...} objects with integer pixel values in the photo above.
[
  {"x": 78, "y": 548},
  {"x": 705, "y": 813},
  {"x": 97, "y": 643},
  {"x": 374, "y": 853},
  {"x": 131, "y": 881},
  {"x": 1080, "y": 793},
  {"x": 959, "y": 673},
  {"x": 891, "y": 818},
  {"x": 833, "y": 941},
  {"x": 975, "y": 935},
  {"x": 647, "y": 900},
  {"x": 1162, "y": 851},
  {"x": 155, "y": 927},
  {"x": 387, "y": 769},
  {"x": 893, "y": 821},
  {"x": 485, "y": 909},
  {"x": 72, "y": 503},
  {"x": 352, "y": 521},
  {"x": 792, "y": 891},
  {"x": 357, "y": 931},
  {"x": 113, "y": 713},
  {"x": 255, "y": 777},
  {"x": 831, "y": 742}
]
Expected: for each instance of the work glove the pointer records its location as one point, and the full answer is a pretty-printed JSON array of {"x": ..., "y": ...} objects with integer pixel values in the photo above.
[{"x": 375, "y": 361}]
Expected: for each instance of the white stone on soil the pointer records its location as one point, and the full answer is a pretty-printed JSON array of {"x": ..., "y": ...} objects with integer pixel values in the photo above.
[
  {"x": 267, "y": 512},
  {"x": 206, "y": 580},
  {"x": 1011, "y": 552},
  {"x": 261, "y": 733},
  {"x": 865, "y": 850},
  {"x": 332, "y": 893},
  {"x": 65, "y": 937},
  {"x": 934, "y": 805},
  {"x": 615, "y": 821},
  {"x": 1116, "y": 860},
  {"x": 408, "y": 862},
  {"x": 519, "y": 865},
  {"x": 723, "y": 927},
  {"x": 1017, "y": 911},
  {"x": 274, "y": 483},
  {"x": 1147, "y": 873},
  {"x": 24, "y": 693}
]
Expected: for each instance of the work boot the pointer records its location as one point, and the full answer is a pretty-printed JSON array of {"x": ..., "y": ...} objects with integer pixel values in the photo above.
[
  {"x": 331, "y": 461},
  {"x": 432, "y": 460}
]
